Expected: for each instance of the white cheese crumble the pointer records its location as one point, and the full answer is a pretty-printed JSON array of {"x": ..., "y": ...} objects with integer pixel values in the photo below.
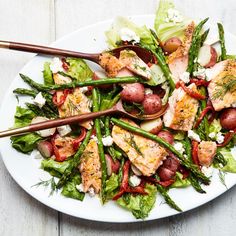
[
  {"x": 39, "y": 100},
  {"x": 212, "y": 135},
  {"x": 134, "y": 180},
  {"x": 185, "y": 77},
  {"x": 207, "y": 171},
  {"x": 83, "y": 89},
  {"x": 94, "y": 138},
  {"x": 179, "y": 147},
  {"x": 56, "y": 65},
  {"x": 80, "y": 188},
  {"x": 219, "y": 137},
  {"x": 194, "y": 136},
  {"x": 64, "y": 130},
  {"x": 148, "y": 91},
  {"x": 107, "y": 141},
  {"x": 201, "y": 72},
  {"x": 129, "y": 35},
  {"x": 91, "y": 192},
  {"x": 174, "y": 16}
]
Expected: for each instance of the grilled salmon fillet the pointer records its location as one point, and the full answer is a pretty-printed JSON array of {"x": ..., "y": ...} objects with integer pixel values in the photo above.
[
  {"x": 182, "y": 110},
  {"x": 222, "y": 88},
  {"x": 90, "y": 167},
  {"x": 206, "y": 152},
  {"x": 145, "y": 154},
  {"x": 76, "y": 102},
  {"x": 65, "y": 146},
  {"x": 178, "y": 60}
]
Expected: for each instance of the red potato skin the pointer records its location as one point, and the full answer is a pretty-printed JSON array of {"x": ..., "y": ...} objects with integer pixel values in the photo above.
[
  {"x": 151, "y": 104},
  {"x": 167, "y": 136},
  {"x": 133, "y": 93},
  {"x": 228, "y": 118},
  {"x": 171, "y": 45},
  {"x": 171, "y": 164},
  {"x": 45, "y": 148},
  {"x": 165, "y": 174},
  {"x": 157, "y": 128},
  {"x": 213, "y": 60},
  {"x": 114, "y": 165}
]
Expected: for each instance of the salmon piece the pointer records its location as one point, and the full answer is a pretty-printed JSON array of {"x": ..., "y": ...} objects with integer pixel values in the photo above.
[
  {"x": 76, "y": 103},
  {"x": 110, "y": 64},
  {"x": 222, "y": 88},
  {"x": 206, "y": 152},
  {"x": 178, "y": 60},
  {"x": 182, "y": 110},
  {"x": 145, "y": 154},
  {"x": 65, "y": 146},
  {"x": 90, "y": 167},
  {"x": 135, "y": 64}
]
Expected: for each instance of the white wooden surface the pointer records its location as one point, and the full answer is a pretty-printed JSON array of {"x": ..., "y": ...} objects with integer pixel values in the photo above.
[{"x": 43, "y": 21}]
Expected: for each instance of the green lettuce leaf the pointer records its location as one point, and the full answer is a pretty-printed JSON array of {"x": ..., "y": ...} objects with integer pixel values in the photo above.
[
  {"x": 166, "y": 30},
  {"x": 112, "y": 185},
  {"x": 157, "y": 76},
  {"x": 139, "y": 205},
  {"x": 215, "y": 126},
  {"x": 79, "y": 69},
  {"x": 24, "y": 143},
  {"x": 70, "y": 190},
  {"x": 231, "y": 161},
  {"x": 47, "y": 74},
  {"x": 113, "y": 34},
  {"x": 180, "y": 182},
  {"x": 55, "y": 168}
]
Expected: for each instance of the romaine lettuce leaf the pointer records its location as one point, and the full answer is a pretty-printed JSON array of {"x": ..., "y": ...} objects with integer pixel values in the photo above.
[
  {"x": 139, "y": 205},
  {"x": 215, "y": 126},
  {"x": 23, "y": 116},
  {"x": 70, "y": 190},
  {"x": 180, "y": 182},
  {"x": 113, "y": 34},
  {"x": 79, "y": 69},
  {"x": 231, "y": 161},
  {"x": 47, "y": 74},
  {"x": 164, "y": 29},
  {"x": 112, "y": 185}
]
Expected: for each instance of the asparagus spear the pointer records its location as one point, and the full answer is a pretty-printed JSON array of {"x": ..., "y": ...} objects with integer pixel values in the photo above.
[
  {"x": 222, "y": 42},
  {"x": 42, "y": 87},
  {"x": 95, "y": 96},
  {"x": 70, "y": 170},
  {"x": 185, "y": 162},
  {"x": 22, "y": 91}
]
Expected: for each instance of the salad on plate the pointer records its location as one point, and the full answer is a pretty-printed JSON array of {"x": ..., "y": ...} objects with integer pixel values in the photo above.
[{"x": 131, "y": 161}]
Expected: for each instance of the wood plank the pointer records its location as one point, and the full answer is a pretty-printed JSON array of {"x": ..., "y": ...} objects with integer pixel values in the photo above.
[{"x": 29, "y": 21}]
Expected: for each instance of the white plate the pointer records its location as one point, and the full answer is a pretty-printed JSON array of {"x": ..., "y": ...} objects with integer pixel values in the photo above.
[{"x": 25, "y": 169}]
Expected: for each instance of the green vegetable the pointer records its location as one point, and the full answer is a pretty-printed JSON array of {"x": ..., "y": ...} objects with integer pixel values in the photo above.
[
  {"x": 231, "y": 161},
  {"x": 112, "y": 185},
  {"x": 204, "y": 36},
  {"x": 215, "y": 126},
  {"x": 166, "y": 30},
  {"x": 55, "y": 168},
  {"x": 70, "y": 190},
  {"x": 157, "y": 76},
  {"x": 195, "y": 183},
  {"x": 219, "y": 160},
  {"x": 24, "y": 143},
  {"x": 180, "y": 182},
  {"x": 231, "y": 57},
  {"x": 139, "y": 205},
  {"x": 42, "y": 87},
  {"x": 47, "y": 74},
  {"x": 113, "y": 34},
  {"x": 95, "y": 95},
  {"x": 22, "y": 91},
  {"x": 222, "y": 42},
  {"x": 79, "y": 69},
  {"x": 193, "y": 168},
  {"x": 47, "y": 183}
]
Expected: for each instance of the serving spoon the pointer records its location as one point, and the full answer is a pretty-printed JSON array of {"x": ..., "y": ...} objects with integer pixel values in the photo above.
[
  {"x": 95, "y": 57},
  {"x": 117, "y": 109}
]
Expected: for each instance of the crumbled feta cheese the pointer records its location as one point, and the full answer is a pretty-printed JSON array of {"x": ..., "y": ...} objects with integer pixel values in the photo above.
[
  {"x": 91, "y": 192},
  {"x": 148, "y": 91},
  {"x": 129, "y": 35},
  {"x": 39, "y": 100},
  {"x": 80, "y": 188},
  {"x": 64, "y": 130},
  {"x": 194, "y": 136},
  {"x": 94, "y": 138},
  {"x": 107, "y": 141},
  {"x": 212, "y": 135},
  {"x": 207, "y": 171},
  {"x": 220, "y": 138},
  {"x": 134, "y": 180},
  {"x": 83, "y": 89},
  {"x": 179, "y": 147},
  {"x": 174, "y": 16},
  {"x": 185, "y": 77},
  {"x": 56, "y": 65},
  {"x": 201, "y": 72}
]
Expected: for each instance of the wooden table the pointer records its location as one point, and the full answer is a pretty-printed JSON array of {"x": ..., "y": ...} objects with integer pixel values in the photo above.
[{"x": 43, "y": 21}]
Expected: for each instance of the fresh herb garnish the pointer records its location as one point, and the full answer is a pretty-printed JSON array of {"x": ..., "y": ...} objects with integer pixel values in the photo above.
[
  {"x": 222, "y": 178},
  {"x": 47, "y": 183},
  {"x": 133, "y": 144},
  {"x": 134, "y": 106}
]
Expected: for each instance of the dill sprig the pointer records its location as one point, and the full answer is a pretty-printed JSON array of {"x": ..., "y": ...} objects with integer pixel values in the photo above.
[
  {"x": 228, "y": 84},
  {"x": 47, "y": 183},
  {"x": 222, "y": 178}
]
